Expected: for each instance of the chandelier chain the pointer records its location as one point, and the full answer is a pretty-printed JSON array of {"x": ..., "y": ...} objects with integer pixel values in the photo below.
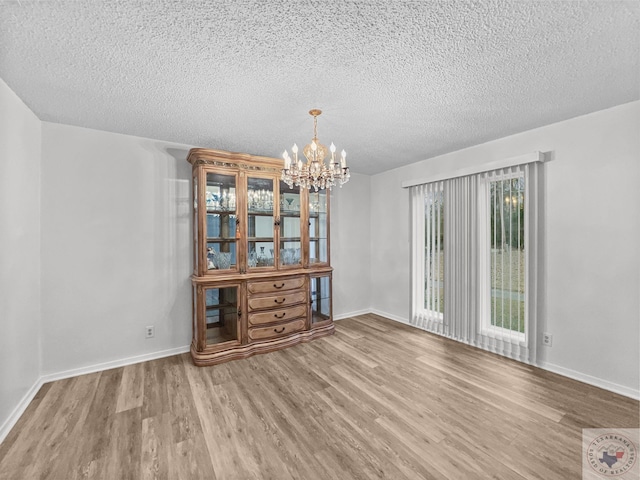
[{"x": 315, "y": 127}]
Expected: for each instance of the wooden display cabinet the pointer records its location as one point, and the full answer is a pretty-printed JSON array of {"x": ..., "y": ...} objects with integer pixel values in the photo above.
[{"x": 262, "y": 272}]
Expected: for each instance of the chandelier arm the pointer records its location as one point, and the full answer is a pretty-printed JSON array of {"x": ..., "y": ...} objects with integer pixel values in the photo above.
[{"x": 315, "y": 173}]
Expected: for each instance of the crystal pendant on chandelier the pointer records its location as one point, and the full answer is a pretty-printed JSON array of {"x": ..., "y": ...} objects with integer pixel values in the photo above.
[{"x": 315, "y": 172}]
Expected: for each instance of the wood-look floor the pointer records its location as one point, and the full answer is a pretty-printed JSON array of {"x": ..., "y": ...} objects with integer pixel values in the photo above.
[{"x": 376, "y": 400}]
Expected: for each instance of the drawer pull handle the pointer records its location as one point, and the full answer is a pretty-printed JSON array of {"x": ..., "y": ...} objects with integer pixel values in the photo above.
[
  {"x": 281, "y": 301},
  {"x": 278, "y": 286},
  {"x": 280, "y": 316},
  {"x": 279, "y": 331}
]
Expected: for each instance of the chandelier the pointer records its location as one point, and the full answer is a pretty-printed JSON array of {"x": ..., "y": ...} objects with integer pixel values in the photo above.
[{"x": 315, "y": 173}]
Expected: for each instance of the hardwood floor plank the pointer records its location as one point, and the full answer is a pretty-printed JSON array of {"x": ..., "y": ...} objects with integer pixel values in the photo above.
[
  {"x": 509, "y": 396},
  {"x": 378, "y": 399},
  {"x": 413, "y": 414},
  {"x": 221, "y": 423},
  {"x": 354, "y": 352},
  {"x": 130, "y": 391},
  {"x": 368, "y": 325},
  {"x": 53, "y": 435},
  {"x": 101, "y": 415},
  {"x": 414, "y": 442},
  {"x": 25, "y": 421},
  {"x": 156, "y": 442},
  {"x": 155, "y": 396},
  {"x": 185, "y": 421},
  {"x": 351, "y": 334},
  {"x": 186, "y": 460},
  {"x": 377, "y": 439},
  {"x": 284, "y": 417},
  {"x": 122, "y": 457}
]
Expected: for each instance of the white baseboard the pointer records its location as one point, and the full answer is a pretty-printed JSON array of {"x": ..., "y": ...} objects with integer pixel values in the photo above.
[
  {"x": 588, "y": 379},
  {"x": 123, "y": 362},
  {"x": 342, "y": 316},
  {"x": 390, "y": 316},
  {"x": 13, "y": 418},
  {"x": 28, "y": 397}
]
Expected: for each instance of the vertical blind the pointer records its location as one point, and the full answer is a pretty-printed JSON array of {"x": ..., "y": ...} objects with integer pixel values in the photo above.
[
  {"x": 475, "y": 255},
  {"x": 428, "y": 255}
]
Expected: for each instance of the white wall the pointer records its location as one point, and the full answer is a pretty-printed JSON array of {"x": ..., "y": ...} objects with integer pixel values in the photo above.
[
  {"x": 592, "y": 236},
  {"x": 20, "y": 328},
  {"x": 116, "y": 250},
  {"x": 351, "y": 246}
]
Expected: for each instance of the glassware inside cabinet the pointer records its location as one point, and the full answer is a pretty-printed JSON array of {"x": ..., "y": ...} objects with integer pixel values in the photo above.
[
  {"x": 290, "y": 242},
  {"x": 221, "y": 314},
  {"x": 318, "y": 231},
  {"x": 320, "y": 291},
  {"x": 221, "y": 222},
  {"x": 260, "y": 233}
]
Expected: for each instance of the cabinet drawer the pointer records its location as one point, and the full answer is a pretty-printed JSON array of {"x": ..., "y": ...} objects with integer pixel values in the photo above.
[
  {"x": 279, "y": 315},
  {"x": 280, "y": 330},
  {"x": 274, "y": 301},
  {"x": 276, "y": 285}
]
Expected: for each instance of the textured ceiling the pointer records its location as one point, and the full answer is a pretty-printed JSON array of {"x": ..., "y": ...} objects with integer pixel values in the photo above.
[{"x": 398, "y": 81}]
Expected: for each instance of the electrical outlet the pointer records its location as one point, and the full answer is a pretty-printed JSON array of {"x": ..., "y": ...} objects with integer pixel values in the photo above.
[
  {"x": 547, "y": 339},
  {"x": 149, "y": 331}
]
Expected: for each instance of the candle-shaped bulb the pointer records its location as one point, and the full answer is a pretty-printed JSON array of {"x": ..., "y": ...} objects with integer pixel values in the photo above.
[
  {"x": 332, "y": 148},
  {"x": 313, "y": 146},
  {"x": 343, "y": 161},
  {"x": 294, "y": 149}
]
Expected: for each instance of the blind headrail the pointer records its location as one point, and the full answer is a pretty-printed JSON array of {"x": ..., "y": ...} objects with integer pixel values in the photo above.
[{"x": 472, "y": 170}]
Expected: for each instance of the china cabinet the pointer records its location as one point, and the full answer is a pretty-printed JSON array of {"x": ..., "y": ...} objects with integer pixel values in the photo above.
[{"x": 262, "y": 274}]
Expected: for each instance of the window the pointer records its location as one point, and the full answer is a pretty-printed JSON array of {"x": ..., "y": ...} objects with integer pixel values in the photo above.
[
  {"x": 475, "y": 255},
  {"x": 504, "y": 252},
  {"x": 434, "y": 252}
]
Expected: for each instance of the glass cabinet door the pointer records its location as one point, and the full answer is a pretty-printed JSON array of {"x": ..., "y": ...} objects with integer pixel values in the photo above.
[
  {"x": 196, "y": 223},
  {"x": 221, "y": 222},
  {"x": 221, "y": 315},
  {"x": 318, "y": 227},
  {"x": 320, "y": 291},
  {"x": 260, "y": 222},
  {"x": 290, "y": 242}
]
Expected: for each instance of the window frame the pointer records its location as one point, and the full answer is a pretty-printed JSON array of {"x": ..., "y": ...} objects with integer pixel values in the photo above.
[{"x": 484, "y": 211}]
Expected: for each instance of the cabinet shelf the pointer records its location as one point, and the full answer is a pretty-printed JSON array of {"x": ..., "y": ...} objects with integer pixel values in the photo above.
[
  {"x": 216, "y": 334},
  {"x": 221, "y": 306},
  {"x": 221, "y": 212}
]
